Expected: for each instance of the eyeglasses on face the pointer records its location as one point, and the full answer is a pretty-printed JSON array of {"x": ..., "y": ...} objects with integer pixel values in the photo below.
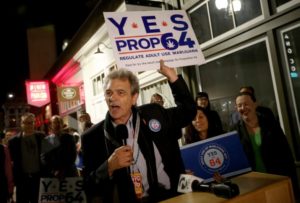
[{"x": 28, "y": 122}]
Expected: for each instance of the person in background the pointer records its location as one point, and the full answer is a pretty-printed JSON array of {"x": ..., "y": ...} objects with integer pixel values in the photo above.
[
  {"x": 85, "y": 122},
  {"x": 87, "y": 125},
  {"x": 262, "y": 110},
  {"x": 157, "y": 98},
  {"x": 6, "y": 176},
  {"x": 201, "y": 127},
  {"x": 202, "y": 100},
  {"x": 77, "y": 137},
  {"x": 263, "y": 140},
  {"x": 7, "y": 135},
  {"x": 59, "y": 151},
  {"x": 25, "y": 151},
  {"x": 148, "y": 167}
]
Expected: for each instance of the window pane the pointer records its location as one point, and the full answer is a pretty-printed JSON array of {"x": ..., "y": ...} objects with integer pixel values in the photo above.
[
  {"x": 245, "y": 10},
  {"x": 223, "y": 77},
  {"x": 199, "y": 21},
  {"x": 187, "y": 1},
  {"x": 280, "y": 2},
  {"x": 221, "y": 17}
]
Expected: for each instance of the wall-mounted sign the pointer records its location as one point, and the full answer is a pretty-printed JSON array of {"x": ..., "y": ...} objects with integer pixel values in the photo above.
[
  {"x": 68, "y": 94},
  {"x": 289, "y": 51},
  {"x": 37, "y": 93},
  {"x": 141, "y": 38}
]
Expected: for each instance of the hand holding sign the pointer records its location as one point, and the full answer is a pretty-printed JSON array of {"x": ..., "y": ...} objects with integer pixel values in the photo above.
[{"x": 168, "y": 72}]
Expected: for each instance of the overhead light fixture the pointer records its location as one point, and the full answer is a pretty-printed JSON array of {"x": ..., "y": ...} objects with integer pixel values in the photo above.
[
  {"x": 221, "y": 4},
  {"x": 98, "y": 51}
]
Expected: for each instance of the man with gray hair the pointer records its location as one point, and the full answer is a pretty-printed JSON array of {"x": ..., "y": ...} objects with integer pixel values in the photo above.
[{"x": 141, "y": 163}]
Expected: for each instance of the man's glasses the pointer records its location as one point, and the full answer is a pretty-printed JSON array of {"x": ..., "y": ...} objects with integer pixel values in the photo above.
[{"x": 28, "y": 122}]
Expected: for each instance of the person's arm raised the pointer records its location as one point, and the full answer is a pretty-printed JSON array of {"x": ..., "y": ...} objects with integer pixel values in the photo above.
[{"x": 170, "y": 73}]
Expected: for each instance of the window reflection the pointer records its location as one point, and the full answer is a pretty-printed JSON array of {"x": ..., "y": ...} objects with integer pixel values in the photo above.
[
  {"x": 200, "y": 23},
  {"x": 248, "y": 11},
  {"x": 221, "y": 19},
  {"x": 216, "y": 17},
  {"x": 280, "y": 2},
  {"x": 223, "y": 77}
]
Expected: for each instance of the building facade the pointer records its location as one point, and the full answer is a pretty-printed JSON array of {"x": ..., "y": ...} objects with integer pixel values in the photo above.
[{"x": 245, "y": 43}]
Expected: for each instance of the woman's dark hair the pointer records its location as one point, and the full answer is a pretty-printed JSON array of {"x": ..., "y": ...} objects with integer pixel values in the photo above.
[
  {"x": 191, "y": 134},
  {"x": 87, "y": 125}
]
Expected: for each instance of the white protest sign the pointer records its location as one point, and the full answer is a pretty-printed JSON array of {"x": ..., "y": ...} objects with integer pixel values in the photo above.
[
  {"x": 68, "y": 190},
  {"x": 141, "y": 38}
]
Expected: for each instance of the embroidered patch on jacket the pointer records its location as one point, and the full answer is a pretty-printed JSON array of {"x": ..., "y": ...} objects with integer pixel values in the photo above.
[{"x": 154, "y": 125}]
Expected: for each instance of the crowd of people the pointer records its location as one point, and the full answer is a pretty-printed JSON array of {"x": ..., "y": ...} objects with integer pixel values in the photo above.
[
  {"x": 133, "y": 155},
  {"x": 31, "y": 155}
]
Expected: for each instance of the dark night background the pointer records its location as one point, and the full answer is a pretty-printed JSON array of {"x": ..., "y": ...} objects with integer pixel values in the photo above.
[{"x": 16, "y": 17}]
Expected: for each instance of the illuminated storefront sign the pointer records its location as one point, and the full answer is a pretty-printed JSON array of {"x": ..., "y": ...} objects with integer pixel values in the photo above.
[
  {"x": 37, "y": 93},
  {"x": 68, "y": 94}
]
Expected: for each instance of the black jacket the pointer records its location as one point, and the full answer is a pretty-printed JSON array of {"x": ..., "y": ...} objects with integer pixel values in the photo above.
[
  {"x": 275, "y": 150},
  {"x": 97, "y": 149},
  {"x": 14, "y": 145},
  {"x": 3, "y": 180},
  {"x": 61, "y": 158}
]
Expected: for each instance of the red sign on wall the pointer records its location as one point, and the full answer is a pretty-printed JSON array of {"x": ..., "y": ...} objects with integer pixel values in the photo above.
[{"x": 37, "y": 93}]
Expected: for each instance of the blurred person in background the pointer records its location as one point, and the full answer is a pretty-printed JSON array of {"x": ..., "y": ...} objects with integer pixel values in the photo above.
[
  {"x": 7, "y": 135},
  {"x": 6, "y": 176},
  {"x": 25, "y": 151},
  {"x": 59, "y": 151},
  {"x": 85, "y": 122},
  {"x": 202, "y": 100},
  {"x": 157, "y": 98}
]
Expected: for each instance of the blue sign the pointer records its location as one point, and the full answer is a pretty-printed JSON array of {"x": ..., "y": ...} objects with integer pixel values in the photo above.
[{"x": 222, "y": 154}]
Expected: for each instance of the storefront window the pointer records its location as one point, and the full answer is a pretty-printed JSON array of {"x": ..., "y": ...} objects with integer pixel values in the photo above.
[
  {"x": 222, "y": 78},
  {"x": 245, "y": 10},
  {"x": 216, "y": 17},
  {"x": 220, "y": 14},
  {"x": 281, "y": 2},
  {"x": 200, "y": 23},
  {"x": 97, "y": 84}
]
